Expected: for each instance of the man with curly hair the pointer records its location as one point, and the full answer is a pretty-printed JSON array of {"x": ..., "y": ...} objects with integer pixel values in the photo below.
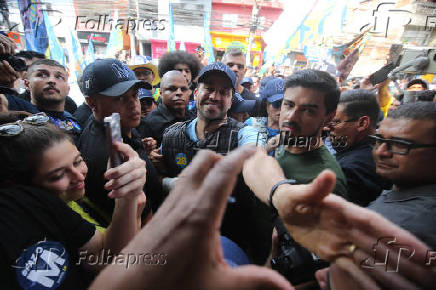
[{"x": 185, "y": 62}]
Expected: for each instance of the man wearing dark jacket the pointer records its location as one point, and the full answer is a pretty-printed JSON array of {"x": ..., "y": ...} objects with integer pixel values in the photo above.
[
  {"x": 356, "y": 118},
  {"x": 110, "y": 86}
]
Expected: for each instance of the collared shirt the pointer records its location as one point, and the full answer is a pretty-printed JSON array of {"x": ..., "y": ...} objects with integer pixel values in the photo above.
[
  {"x": 246, "y": 135},
  {"x": 413, "y": 209}
]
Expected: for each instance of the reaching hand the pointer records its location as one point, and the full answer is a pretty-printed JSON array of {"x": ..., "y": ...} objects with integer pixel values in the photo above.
[{"x": 186, "y": 230}]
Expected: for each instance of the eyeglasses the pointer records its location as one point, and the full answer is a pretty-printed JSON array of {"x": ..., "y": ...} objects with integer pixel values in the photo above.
[
  {"x": 400, "y": 147},
  {"x": 14, "y": 129},
  {"x": 335, "y": 123}
]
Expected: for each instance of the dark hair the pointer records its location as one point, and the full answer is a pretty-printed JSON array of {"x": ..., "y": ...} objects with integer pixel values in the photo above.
[
  {"x": 20, "y": 154},
  {"x": 358, "y": 103},
  {"x": 170, "y": 59},
  {"x": 48, "y": 62},
  {"x": 29, "y": 54},
  {"x": 416, "y": 82},
  {"x": 319, "y": 81},
  {"x": 415, "y": 111}
]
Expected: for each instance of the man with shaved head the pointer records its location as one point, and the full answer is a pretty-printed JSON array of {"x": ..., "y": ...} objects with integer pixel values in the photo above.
[{"x": 175, "y": 96}]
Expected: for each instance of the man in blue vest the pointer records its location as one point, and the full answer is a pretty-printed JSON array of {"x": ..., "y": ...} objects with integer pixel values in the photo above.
[{"x": 246, "y": 220}]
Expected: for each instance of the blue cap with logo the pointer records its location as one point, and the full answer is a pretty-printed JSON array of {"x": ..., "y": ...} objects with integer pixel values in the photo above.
[
  {"x": 240, "y": 105},
  {"x": 274, "y": 90},
  {"x": 144, "y": 93},
  {"x": 109, "y": 77},
  {"x": 247, "y": 80},
  {"x": 217, "y": 68}
]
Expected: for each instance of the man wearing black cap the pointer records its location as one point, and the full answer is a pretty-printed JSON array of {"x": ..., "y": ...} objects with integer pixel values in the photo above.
[
  {"x": 246, "y": 221},
  {"x": 110, "y": 86}
]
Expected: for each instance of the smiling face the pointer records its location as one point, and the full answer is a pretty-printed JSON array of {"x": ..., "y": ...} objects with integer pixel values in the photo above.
[
  {"x": 48, "y": 85},
  {"x": 418, "y": 167},
  {"x": 213, "y": 97},
  {"x": 62, "y": 171}
]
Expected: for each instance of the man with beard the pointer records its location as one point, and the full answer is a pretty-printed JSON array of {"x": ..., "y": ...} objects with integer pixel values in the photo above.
[
  {"x": 47, "y": 82},
  {"x": 246, "y": 221},
  {"x": 309, "y": 104},
  {"x": 356, "y": 118},
  {"x": 175, "y": 93},
  {"x": 110, "y": 86}
]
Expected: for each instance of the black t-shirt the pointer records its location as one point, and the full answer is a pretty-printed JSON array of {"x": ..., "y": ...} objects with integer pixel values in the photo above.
[
  {"x": 160, "y": 119},
  {"x": 92, "y": 144},
  {"x": 39, "y": 233}
]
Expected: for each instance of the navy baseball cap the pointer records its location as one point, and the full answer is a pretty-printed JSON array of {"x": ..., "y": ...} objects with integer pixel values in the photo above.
[
  {"x": 239, "y": 104},
  {"x": 144, "y": 93},
  {"x": 247, "y": 80},
  {"x": 274, "y": 90},
  {"x": 218, "y": 68},
  {"x": 109, "y": 77}
]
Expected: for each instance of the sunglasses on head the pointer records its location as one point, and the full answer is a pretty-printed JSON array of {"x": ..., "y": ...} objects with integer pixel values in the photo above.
[{"x": 14, "y": 129}]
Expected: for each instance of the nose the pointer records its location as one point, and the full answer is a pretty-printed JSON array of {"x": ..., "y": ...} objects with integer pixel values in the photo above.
[
  {"x": 383, "y": 151},
  {"x": 78, "y": 173}
]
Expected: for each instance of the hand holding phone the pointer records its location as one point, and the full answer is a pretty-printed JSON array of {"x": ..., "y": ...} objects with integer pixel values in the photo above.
[{"x": 113, "y": 133}]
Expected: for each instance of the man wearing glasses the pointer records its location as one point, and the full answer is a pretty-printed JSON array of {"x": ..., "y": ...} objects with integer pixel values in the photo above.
[
  {"x": 356, "y": 118},
  {"x": 405, "y": 153}
]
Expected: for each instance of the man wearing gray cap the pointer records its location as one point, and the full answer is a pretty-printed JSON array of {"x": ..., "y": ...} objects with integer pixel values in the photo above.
[{"x": 110, "y": 86}]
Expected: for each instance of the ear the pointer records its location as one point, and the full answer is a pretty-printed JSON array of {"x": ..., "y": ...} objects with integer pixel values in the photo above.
[
  {"x": 363, "y": 123},
  {"x": 27, "y": 83},
  {"x": 91, "y": 102},
  {"x": 196, "y": 94}
]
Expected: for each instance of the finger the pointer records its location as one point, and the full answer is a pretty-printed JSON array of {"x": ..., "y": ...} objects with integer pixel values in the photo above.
[
  {"x": 220, "y": 181},
  {"x": 252, "y": 277},
  {"x": 347, "y": 272},
  {"x": 125, "y": 149},
  {"x": 390, "y": 254},
  {"x": 194, "y": 174},
  {"x": 387, "y": 278},
  {"x": 125, "y": 179},
  {"x": 302, "y": 198},
  {"x": 129, "y": 190}
]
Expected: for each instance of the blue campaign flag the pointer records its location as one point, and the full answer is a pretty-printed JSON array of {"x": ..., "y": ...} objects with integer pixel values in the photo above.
[
  {"x": 171, "y": 46},
  {"x": 56, "y": 51},
  {"x": 34, "y": 25},
  {"x": 115, "y": 43},
  {"x": 89, "y": 57},
  {"x": 207, "y": 40}
]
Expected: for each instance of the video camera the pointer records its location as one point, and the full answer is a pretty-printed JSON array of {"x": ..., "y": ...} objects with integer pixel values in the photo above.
[{"x": 293, "y": 261}]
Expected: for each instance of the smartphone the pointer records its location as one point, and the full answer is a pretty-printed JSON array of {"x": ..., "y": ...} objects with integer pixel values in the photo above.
[
  {"x": 113, "y": 133},
  {"x": 382, "y": 74}
]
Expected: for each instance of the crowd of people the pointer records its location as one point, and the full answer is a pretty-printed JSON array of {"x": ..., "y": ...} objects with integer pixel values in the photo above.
[{"x": 214, "y": 163}]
